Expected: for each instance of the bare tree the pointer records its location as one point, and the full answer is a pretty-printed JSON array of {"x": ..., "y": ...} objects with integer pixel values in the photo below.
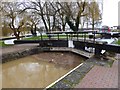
[
  {"x": 61, "y": 15},
  {"x": 15, "y": 19},
  {"x": 94, "y": 13},
  {"x": 74, "y": 11},
  {"x": 53, "y": 12},
  {"x": 57, "y": 14},
  {"x": 32, "y": 22},
  {"x": 39, "y": 8}
]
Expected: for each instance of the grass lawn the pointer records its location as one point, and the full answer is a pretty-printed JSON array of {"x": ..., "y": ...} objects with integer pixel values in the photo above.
[
  {"x": 36, "y": 37},
  {"x": 55, "y": 37},
  {"x": 44, "y": 37},
  {"x": 118, "y": 42}
]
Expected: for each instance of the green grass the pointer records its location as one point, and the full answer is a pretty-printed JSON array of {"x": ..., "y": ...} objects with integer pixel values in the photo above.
[
  {"x": 2, "y": 44},
  {"x": 44, "y": 37},
  {"x": 36, "y": 37},
  {"x": 55, "y": 37},
  {"x": 118, "y": 42},
  {"x": 61, "y": 36}
]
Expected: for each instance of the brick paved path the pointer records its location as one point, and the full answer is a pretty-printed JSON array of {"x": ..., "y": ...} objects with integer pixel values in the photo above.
[{"x": 101, "y": 77}]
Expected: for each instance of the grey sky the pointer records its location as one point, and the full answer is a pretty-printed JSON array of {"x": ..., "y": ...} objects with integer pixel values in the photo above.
[{"x": 110, "y": 12}]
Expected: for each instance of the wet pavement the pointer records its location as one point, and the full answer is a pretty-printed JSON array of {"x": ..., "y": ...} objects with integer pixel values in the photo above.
[
  {"x": 101, "y": 77},
  {"x": 15, "y": 48}
]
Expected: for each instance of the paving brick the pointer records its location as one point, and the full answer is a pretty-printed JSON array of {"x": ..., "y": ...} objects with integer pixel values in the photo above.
[{"x": 101, "y": 77}]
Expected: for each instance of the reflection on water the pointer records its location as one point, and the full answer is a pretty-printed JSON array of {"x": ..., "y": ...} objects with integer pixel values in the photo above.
[
  {"x": 63, "y": 59},
  {"x": 31, "y": 72}
]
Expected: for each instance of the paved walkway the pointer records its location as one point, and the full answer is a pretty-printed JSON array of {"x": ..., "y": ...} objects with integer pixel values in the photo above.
[
  {"x": 16, "y": 48},
  {"x": 101, "y": 77}
]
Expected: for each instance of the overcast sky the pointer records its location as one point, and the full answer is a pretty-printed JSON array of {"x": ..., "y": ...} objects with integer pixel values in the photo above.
[{"x": 110, "y": 12}]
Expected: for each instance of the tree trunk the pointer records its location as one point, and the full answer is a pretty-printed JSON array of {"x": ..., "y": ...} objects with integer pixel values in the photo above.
[
  {"x": 53, "y": 26},
  {"x": 49, "y": 24},
  {"x": 17, "y": 35},
  {"x": 42, "y": 16},
  {"x": 93, "y": 23},
  {"x": 35, "y": 34},
  {"x": 71, "y": 25},
  {"x": 77, "y": 22},
  {"x": 63, "y": 27},
  {"x": 44, "y": 23},
  {"x": 63, "y": 23},
  {"x": 32, "y": 32}
]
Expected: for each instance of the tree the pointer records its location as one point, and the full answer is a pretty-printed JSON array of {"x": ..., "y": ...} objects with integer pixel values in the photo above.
[
  {"x": 39, "y": 8},
  {"x": 51, "y": 14},
  {"x": 15, "y": 19},
  {"x": 61, "y": 15},
  {"x": 58, "y": 14},
  {"x": 33, "y": 21},
  {"x": 48, "y": 12},
  {"x": 5, "y": 28},
  {"x": 94, "y": 13},
  {"x": 74, "y": 11}
]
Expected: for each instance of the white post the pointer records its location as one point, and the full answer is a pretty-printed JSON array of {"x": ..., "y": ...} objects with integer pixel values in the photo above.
[{"x": 70, "y": 44}]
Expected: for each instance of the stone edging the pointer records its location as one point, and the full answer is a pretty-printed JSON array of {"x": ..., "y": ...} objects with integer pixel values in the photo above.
[
  {"x": 72, "y": 79},
  {"x": 22, "y": 53}
]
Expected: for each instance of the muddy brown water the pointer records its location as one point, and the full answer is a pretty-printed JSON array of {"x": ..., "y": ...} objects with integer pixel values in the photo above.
[{"x": 38, "y": 71}]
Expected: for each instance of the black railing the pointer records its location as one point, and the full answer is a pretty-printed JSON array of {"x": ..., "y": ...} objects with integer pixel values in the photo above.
[{"x": 80, "y": 41}]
